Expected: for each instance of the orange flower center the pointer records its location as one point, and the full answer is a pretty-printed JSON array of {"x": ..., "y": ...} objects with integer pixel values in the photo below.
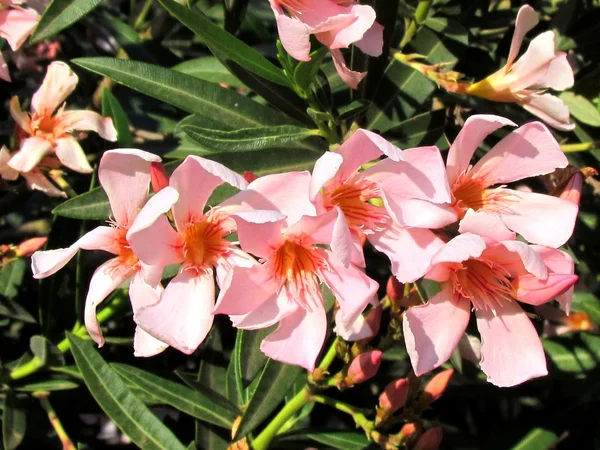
[
  {"x": 483, "y": 282},
  {"x": 473, "y": 193},
  {"x": 352, "y": 198},
  {"x": 125, "y": 254},
  {"x": 204, "y": 241}
]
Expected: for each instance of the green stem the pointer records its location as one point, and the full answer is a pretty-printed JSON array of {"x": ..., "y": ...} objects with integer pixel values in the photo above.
[
  {"x": 581, "y": 147},
  {"x": 55, "y": 421},
  {"x": 143, "y": 13},
  {"x": 329, "y": 356},
  {"x": 63, "y": 346},
  {"x": 298, "y": 402},
  {"x": 420, "y": 16}
]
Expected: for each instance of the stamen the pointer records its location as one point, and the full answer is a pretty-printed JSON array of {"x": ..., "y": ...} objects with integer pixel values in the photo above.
[
  {"x": 204, "y": 241},
  {"x": 473, "y": 193}
]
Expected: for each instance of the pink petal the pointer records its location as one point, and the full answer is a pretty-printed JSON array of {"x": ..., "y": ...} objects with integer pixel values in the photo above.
[
  {"x": 358, "y": 257},
  {"x": 125, "y": 176},
  {"x": 541, "y": 219},
  {"x": 16, "y": 25},
  {"x": 183, "y": 316},
  {"x": 88, "y": 121},
  {"x": 559, "y": 74},
  {"x": 352, "y": 288},
  {"x": 430, "y": 345},
  {"x": 355, "y": 331},
  {"x": 270, "y": 312},
  {"x": 58, "y": 83},
  {"x": 535, "y": 291},
  {"x": 299, "y": 338},
  {"x": 316, "y": 229},
  {"x": 106, "y": 279},
  {"x": 531, "y": 65},
  {"x": 527, "y": 19},
  {"x": 152, "y": 237},
  {"x": 343, "y": 37},
  {"x": 559, "y": 262},
  {"x": 144, "y": 345},
  {"x": 326, "y": 167},
  {"x": 459, "y": 249},
  {"x": 409, "y": 249},
  {"x": 30, "y": 154},
  {"x": 510, "y": 346},
  {"x": 372, "y": 41},
  {"x": 143, "y": 292},
  {"x": 351, "y": 78},
  {"x": 195, "y": 180},
  {"x": 413, "y": 212},
  {"x": 234, "y": 257},
  {"x": 531, "y": 260},
  {"x": 487, "y": 224},
  {"x": 294, "y": 35},
  {"x": 7, "y": 172},
  {"x": 341, "y": 242},
  {"x": 46, "y": 263},
  {"x": 21, "y": 118},
  {"x": 260, "y": 232},
  {"x": 71, "y": 155},
  {"x": 37, "y": 180},
  {"x": 550, "y": 109},
  {"x": 244, "y": 290},
  {"x": 528, "y": 151},
  {"x": 472, "y": 134}
]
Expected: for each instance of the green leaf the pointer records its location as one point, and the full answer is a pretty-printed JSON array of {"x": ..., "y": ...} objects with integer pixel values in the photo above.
[
  {"x": 423, "y": 129},
  {"x": 276, "y": 379},
  {"x": 110, "y": 392},
  {"x": 234, "y": 387},
  {"x": 581, "y": 108},
  {"x": 113, "y": 109},
  {"x": 209, "y": 391},
  {"x": 48, "y": 386},
  {"x": 13, "y": 421},
  {"x": 306, "y": 71},
  {"x": 588, "y": 303},
  {"x": 92, "y": 205},
  {"x": 11, "y": 277},
  {"x": 537, "y": 439},
  {"x": 61, "y": 14},
  {"x": 209, "y": 68},
  {"x": 46, "y": 351},
  {"x": 186, "y": 92},
  {"x": 177, "y": 395},
  {"x": 346, "y": 440},
  {"x": 225, "y": 43},
  {"x": 577, "y": 353},
  {"x": 12, "y": 309},
  {"x": 249, "y": 138},
  {"x": 252, "y": 359}
]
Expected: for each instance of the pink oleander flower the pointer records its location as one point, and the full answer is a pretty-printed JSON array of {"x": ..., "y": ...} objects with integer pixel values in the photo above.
[
  {"x": 183, "y": 316},
  {"x": 45, "y": 130},
  {"x": 490, "y": 277},
  {"x": 480, "y": 198},
  {"x": 125, "y": 176},
  {"x": 335, "y": 23},
  {"x": 411, "y": 184},
  {"x": 285, "y": 289},
  {"x": 526, "y": 80},
  {"x": 16, "y": 24}
]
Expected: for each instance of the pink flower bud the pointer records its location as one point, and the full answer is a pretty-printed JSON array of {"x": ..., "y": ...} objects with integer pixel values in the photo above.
[
  {"x": 394, "y": 395},
  {"x": 430, "y": 440},
  {"x": 394, "y": 290},
  {"x": 572, "y": 191},
  {"x": 409, "y": 431},
  {"x": 363, "y": 367},
  {"x": 437, "y": 385},
  {"x": 30, "y": 246},
  {"x": 249, "y": 176},
  {"x": 158, "y": 177}
]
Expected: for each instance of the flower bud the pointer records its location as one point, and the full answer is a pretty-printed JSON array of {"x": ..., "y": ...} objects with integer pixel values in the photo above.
[
  {"x": 249, "y": 176},
  {"x": 572, "y": 190},
  {"x": 373, "y": 320},
  {"x": 394, "y": 395},
  {"x": 363, "y": 367},
  {"x": 394, "y": 290},
  {"x": 30, "y": 246},
  {"x": 158, "y": 177},
  {"x": 437, "y": 385},
  {"x": 430, "y": 440},
  {"x": 409, "y": 431}
]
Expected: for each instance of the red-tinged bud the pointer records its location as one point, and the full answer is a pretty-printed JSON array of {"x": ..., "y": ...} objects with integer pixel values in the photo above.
[
  {"x": 158, "y": 177},
  {"x": 437, "y": 385},
  {"x": 249, "y": 176},
  {"x": 430, "y": 440},
  {"x": 394, "y": 290},
  {"x": 30, "y": 246},
  {"x": 572, "y": 190},
  {"x": 394, "y": 395},
  {"x": 363, "y": 367},
  {"x": 373, "y": 320},
  {"x": 409, "y": 431}
]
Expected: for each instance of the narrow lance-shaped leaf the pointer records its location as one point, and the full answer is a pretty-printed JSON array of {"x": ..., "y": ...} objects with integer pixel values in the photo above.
[
  {"x": 125, "y": 410},
  {"x": 13, "y": 421},
  {"x": 113, "y": 109},
  {"x": 225, "y": 43},
  {"x": 61, "y": 14}
]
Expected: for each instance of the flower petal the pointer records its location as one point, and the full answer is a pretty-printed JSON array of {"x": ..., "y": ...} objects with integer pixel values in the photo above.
[
  {"x": 559, "y": 74},
  {"x": 472, "y": 134},
  {"x": 88, "y": 121},
  {"x": 430, "y": 345},
  {"x": 526, "y": 20},
  {"x": 16, "y": 24},
  {"x": 270, "y": 312},
  {"x": 459, "y": 249},
  {"x": 294, "y": 35},
  {"x": 183, "y": 316},
  {"x": 125, "y": 176},
  {"x": 144, "y": 345},
  {"x": 486, "y": 224},
  {"x": 326, "y": 167},
  {"x": 71, "y": 155},
  {"x": 260, "y": 232},
  {"x": 299, "y": 338},
  {"x": 58, "y": 83},
  {"x": 350, "y": 77},
  {"x": 36, "y": 180},
  {"x": 531, "y": 260},
  {"x": 536, "y": 291},
  {"x": 550, "y": 109},
  {"x": 30, "y": 154},
  {"x": 559, "y": 262},
  {"x": 531, "y": 66},
  {"x": 511, "y": 348},
  {"x": 372, "y": 41}
]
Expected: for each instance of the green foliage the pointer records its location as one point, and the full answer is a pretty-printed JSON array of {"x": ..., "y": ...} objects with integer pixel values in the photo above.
[{"x": 61, "y": 14}]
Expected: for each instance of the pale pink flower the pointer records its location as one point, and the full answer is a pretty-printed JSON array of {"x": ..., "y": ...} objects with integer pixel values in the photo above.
[
  {"x": 490, "y": 277},
  {"x": 480, "y": 198},
  {"x": 183, "y": 315},
  {"x": 45, "y": 131},
  {"x": 16, "y": 22},
  {"x": 286, "y": 288},
  {"x": 411, "y": 184},
  {"x": 125, "y": 176},
  {"x": 526, "y": 80},
  {"x": 335, "y": 23}
]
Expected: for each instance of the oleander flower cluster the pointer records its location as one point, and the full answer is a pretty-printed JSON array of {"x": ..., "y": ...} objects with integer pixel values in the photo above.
[{"x": 263, "y": 256}]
